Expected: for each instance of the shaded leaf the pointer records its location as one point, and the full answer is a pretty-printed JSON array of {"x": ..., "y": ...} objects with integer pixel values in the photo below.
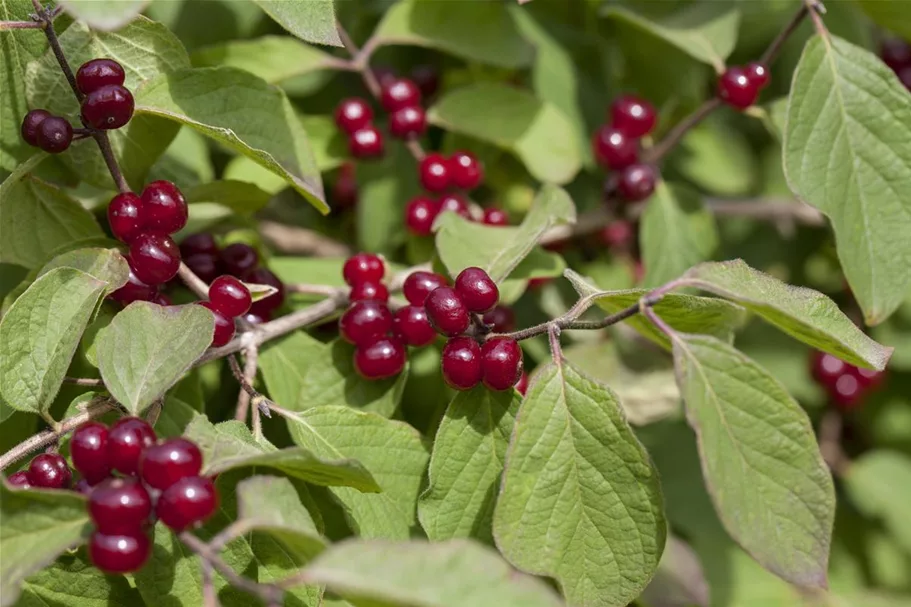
[
  {"x": 310, "y": 20},
  {"x": 679, "y": 581},
  {"x": 106, "y": 265},
  {"x": 878, "y": 484},
  {"x": 71, "y": 581},
  {"x": 105, "y": 15},
  {"x": 894, "y": 16},
  {"x": 238, "y": 196}
]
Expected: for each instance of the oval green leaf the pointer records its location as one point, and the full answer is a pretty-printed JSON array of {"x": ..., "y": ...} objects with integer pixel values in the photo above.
[
  {"x": 310, "y": 20},
  {"x": 104, "y": 15}
]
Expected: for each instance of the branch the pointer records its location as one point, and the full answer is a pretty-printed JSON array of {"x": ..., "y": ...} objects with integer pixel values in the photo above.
[
  {"x": 193, "y": 282},
  {"x": 771, "y": 53},
  {"x": 20, "y": 25},
  {"x": 830, "y": 431},
  {"x": 673, "y": 137},
  {"x": 246, "y": 379},
  {"x": 301, "y": 241}
]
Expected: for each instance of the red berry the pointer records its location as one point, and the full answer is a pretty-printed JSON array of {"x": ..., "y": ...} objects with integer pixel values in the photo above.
[
  {"x": 199, "y": 243},
  {"x": 31, "y": 124},
  {"x": 847, "y": 392},
  {"x": 427, "y": 78},
  {"x": 127, "y": 439},
  {"x": 736, "y": 89},
  {"x": 155, "y": 257},
  {"x": 256, "y": 319},
  {"x": 637, "y": 182},
  {"x": 412, "y": 326},
  {"x": 381, "y": 358},
  {"x": 418, "y": 285},
  {"x": 447, "y": 311},
  {"x": 465, "y": 170},
  {"x": 477, "y": 290},
  {"x": 455, "y": 203},
  {"x": 363, "y": 267},
  {"x": 501, "y": 319},
  {"x": 496, "y": 217},
  {"x": 18, "y": 480},
  {"x": 364, "y": 291},
  {"x": 164, "y": 208},
  {"x": 352, "y": 114},
  {"x": 896, "y": 53},
  {"x": 613, "y": 149},
  {"x": 385, "y": 75},
  {"x": 400, "y": 93},
  {"x": 408, "y": 122},
  {"x": 267, "y": 305},
  {"x": 364, "y": 321},
  {"x": 522, "y": 385},
  {"x": 187, "y": 502},
  {"x": 344, "y": 189},
  {"x": 757, "y": 74},
  {"x": 868, "y": 378},
  {"x": 904, "y": 75},
  {"x": 224, "y": 326},
  {"x": 461, "y": 363},
  {"x": 501, "y": 363},
  {"x": 826, "y": 369},
  {"x": 89, "y": 450},
  {"x": 230, "y": 296},
  {"x": 419, "y": 215},
  {"x": 55, "y": 134},
  {"x": 94, "y": 74},
  {"x": 134, "y": 289},
  {"x": 120, "y": 553},
  {"x": 164, "y": 464},
  {"x": 205, "y": 265},
  {"x": 125, "y": 216},
  {"x": 618, "y": 234},
  {"x": 633, "y": 116},
  {"x": 366, "y": 142},
  {"x": 239, "y": 259},
  {"x": 109, "y": 107},
  {"x": 434, "y": 172},
  {"x": 119, "y": 505},
  {"x": 49, "y": 471}
]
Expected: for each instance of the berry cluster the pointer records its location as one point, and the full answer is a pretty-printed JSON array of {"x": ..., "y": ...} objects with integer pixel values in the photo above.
[
  {"x": 47, "y": 471},
  {"x": 739, "y": 86},
  {"x": 615, "y": 146},
  {"x": 41, "y": 129},
  {"x": 845, "y": 384},
  {"x": 229, "y": 298},
  {"x": 896, "y": 53}
]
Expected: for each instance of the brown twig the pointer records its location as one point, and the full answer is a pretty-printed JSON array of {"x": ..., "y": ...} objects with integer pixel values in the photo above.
[
  {"x": 20, "y": 25},
  {"x": 830, "y": 431},
  {"x": 673, "y": 137},
  {"x": 246, "y": 379},
  {"x": 771, "y": 53},
  {"x": 301, "y": 241},
  {"x": 193, "y": 282}
]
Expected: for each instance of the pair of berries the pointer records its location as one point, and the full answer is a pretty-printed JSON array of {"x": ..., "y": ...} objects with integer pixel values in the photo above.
[
  {"x": 43, "y": 130},
  {"x": 896, "y": 53},
  {"x": 461, "y": 170},
  {"x": 46, "y": 471},
  {"x": 739, "y": 86},
  {"x": 229, "y": 298},
  {"x": 615, "y": 146},
  {"x": 846, "y": 384},
  {"x": 401, "y": 98}
]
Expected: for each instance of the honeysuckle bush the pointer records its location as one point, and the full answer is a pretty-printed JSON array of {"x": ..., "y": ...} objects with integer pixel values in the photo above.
[{"x": 683, "y": 438}]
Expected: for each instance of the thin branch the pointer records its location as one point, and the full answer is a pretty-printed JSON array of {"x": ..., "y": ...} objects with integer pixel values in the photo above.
[
  {"x": 193, "y": 282},
  {"x": 771, "y": 53},
  {"x": 817, "y": 9},
  {"x": 246, "y": 379},
  {"x": 301, "y": 241},
  {"x": 209, "y": 596},
  {"x": 304, "y": 289},
  {"x": 20, "y": 25},
  {"x": 830, "y": 430},
  {"x": 673, "y": 137},
  {"x": 567, "y": 322},
  {"x": 107, "y": 152}
]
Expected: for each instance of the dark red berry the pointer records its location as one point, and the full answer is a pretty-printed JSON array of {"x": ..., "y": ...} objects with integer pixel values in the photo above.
[
  {"x": 758, "y": 74},
  {"x": 418, "y": 285},
  {"x": 256, "y": 319},
  {"x": 501, "y": 319},
  {"x": 366, "y": 142},
  {"x": 447, "y": 311},
  {"x": 736, "y": 89},
  {"x": 206, "y": 266},
  {"x": 420, "y": 214},
  {"x": 89, "y": 450},
  {"x": 120, "y": 553},
  {"x": 49, "y": 471},
  {"x": 344, "y": 189},
  {"x": 434, "y": 172},
  {"x": 363, "y": 267},
  {"x": 868, "y": 378},
  {"x": 94, "y": 74},
  {"x": 412, "y": 326},
  {"x": 408, "y": 122},
  {"x": 385, "y": 75},
  {"x": 119, "y": 505},
  {"x": 187, "y": 502},
  {"x": 904, "y": 75},
  {"x": 847, "y": 392},
  {"x": 164, "y": 208},
  {"x": 224, "y": 326},
  {"x": 127, "y": 439},
  {"x": 31, "y": 124},
  {"x": 109, "y": 107},
  {"x": 501, "y": 363},
  {"x": 496, "y": 217},
  {"x": 896, "y": 53},
  {"x": 125, "y": 216},
  {"x": 155, "y": 257},
  {"x": 239, "y": 259},
  {"x": 353, "y": 114},
  {"x": 633, "y": 116},
  {"x": 477, "y": 290},
  {"x": 455, "y": 203},
  {"x": 427, "y": 77},
  {"x": 363, "y": 291},
  {"x": 461, "y": 363},
  {"x": 522, "y": 384},
  {"x": 230, "y": 296},
  {"x": 19, "y": 480},
  {"x": 637, "y": 182},
  {"x": 826, "y": 369},
  {"x": 267, "y": 305},
  {"x": 465, "y": 170},
  {"x": 134, "y": 289},
  {"x": 164, "y": 464},
  {"x": 55, "y": 134},
  {"x": 364, "y": 321},
  {"x": 618, "y": 234},
  {"x": 400, "y": 93},
  {"x": 381, "y": 358},
  {"x": 199, "y": 243},
  {"x": 613, "y": 149}
]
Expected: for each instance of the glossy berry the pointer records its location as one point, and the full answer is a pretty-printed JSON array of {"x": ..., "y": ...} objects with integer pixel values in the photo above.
[
  {"x": 447, "y": 311},
  {"x": 199, "y": 243},
  {"x": 127, "y": 439},
  {"x": 408, "y": 122},
  {"x": 19, "y": 480},
  {"x": 205, "y": 265},
  {"x": 427, "y": 77},
  {"x": 613, "y": 149},
  {"x": 381, "y": 358},
  {"x": 189, "y": 501},
  {"x": 344, "y": 192},
  {"x": 239, "y": 259},
  {"x": 385, "y": 75},
  {"x": 230, "y": 296},
  {"x": 400, "y": 93},
  {"x": 847, "y": 392},
  {"x": 353, "y": 114},
  {"x": 109, "y": 107},
  {"x": 134, "y": 289},
  {"x": 418, "y": 285},
  {"x": 495, "y": 217},
  {"x": 896, "y": 53},
  {"x": 164, "y": 464},
  {"x": 121, "y": 553},
  {"x": 256, "y": 319},
  {"x": 363, "y": 267},
  {"x": 420, "y": 214},
  {"x": 637, "y": 182},
  {"x": 476, "y": 289},
  {"x": 164, "y": 208},
  {"x": 868, "y": 378},
  {"x": 267, "y": 305},
  {"x": 466, "y": 170},
  {"x": 501, "y": 319},
  {"x": 757, "y": 74},
  {"x": 501, "y": 363},
  {"x": 435, "y": 173},
  {"x": 373, "y": 291},
  {"x": 633, "y": 116},
  {"x": 119, "y": 505},
  {"x": 55, "y": 134},
  {"x": 618, "y": 234},
  {"x": 365, "y": 321},
  {"x": 736, "y": 89},
  {"x": 826, "y": 369},
  {"x": 89, "y": 450},
  {"x": 30, "y": 125},
  {"x": 94, "y": 74},
  {"x": 522, "y": 384},
  {"x": 366, "y": 142},
  {"x": 455, "y": 203},
  {"x": 155, "y": 257},
  {"x": 461, "y": 363},
  {"x": 412, "y": 326},
  {"x": 125, "y": 216},
  {"x": 49, "y": 471},
  {"x": 224, "y": 326}
]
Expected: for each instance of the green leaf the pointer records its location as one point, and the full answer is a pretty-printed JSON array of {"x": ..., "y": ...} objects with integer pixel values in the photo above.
[
  {"x": 147, "y": 348},
  {"x": 718, "y": 158},
  {"x": 310, "y": 20},
  {"x": 38, "y": 525},
  {"x": 676, "y": 232},
  {"x": 186, "y": 161},
  {"x": 878, "y": 484},
  {"x": 388, "y": 184},
  {"x": 229, "y": 445},
  {"x": 106, "y": 265},
  {"x": 242, "y": 112},
  {"x": 846, "y": 153},
  {"x": 466, "y": 465},
  {"x": 893, "y": 15},
  {"x": 535, "y": 131},
  {"x": 71, "y": 581},
  {"x": 476, "y": 31},
  {"x": 679, "y": 581},
  {"x": 580, "y": 501},
  {"x": 392, "y": 452},
  {"x": 330, "y": 147},
  {"x": 802, "y": 313},
  {"x": 272, "y": 505},
  {"x": 176, "y": 415},
  {"x": 238, "y": 196},
  {"x": 40, "y": 333},
  {"x": 707, "y": 31},
  {"x": 105, "y": 15},
  {"x": 421, "y": 574},
  {"x": 760, "y": 460}
]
